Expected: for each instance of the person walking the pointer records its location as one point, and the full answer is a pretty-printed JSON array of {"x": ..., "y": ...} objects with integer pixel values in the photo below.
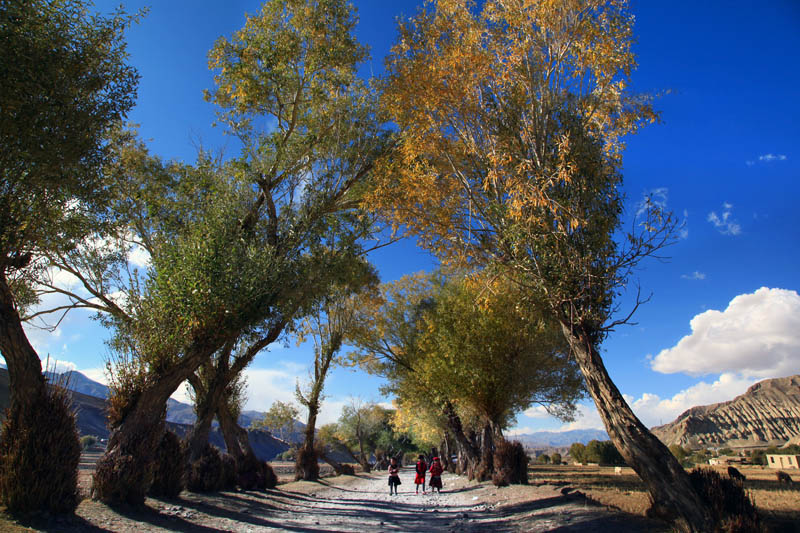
[
  {"x": 436, "y": 475},
  {"x": 421, "y": 468},
  {"x": 394, "y": 476}
]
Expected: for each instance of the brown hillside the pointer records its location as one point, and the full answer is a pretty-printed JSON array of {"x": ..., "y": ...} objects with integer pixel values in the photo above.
[{"x": 767, "y": 414}]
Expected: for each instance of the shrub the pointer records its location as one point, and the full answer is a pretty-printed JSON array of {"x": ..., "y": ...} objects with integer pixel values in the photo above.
[
  {"x": 39, "y": 456},
  {"x": 255, "y": 474},
  {"x": 730, "y": 506},
  {"x": 510, "y": 463},
  {"x": 556, "y": 458},
  {"x": 229, "y": 475},
  {"x": 205, "y": 474},
  {"x": 543, "y": 459},
  {"x": 169, "y": 470},
  {"x": 88, "y": 441}
]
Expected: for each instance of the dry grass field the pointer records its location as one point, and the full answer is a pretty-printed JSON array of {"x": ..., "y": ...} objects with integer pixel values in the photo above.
[{"x": 778, "y": 504}]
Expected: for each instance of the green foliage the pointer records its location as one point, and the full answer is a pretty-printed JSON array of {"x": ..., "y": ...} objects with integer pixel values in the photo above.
[
  {"x": 87, "y": 441},
  {"x": 206, "y": 473},
  {"x": 65, "y": 83},
  {"x": 731, "y": 508},
  {"x": 603, "y": 452},
  {"x": 39, "y": 462},
  {"x": 510, "y": 463},
  {"x": 555, "y": 458},
  {"x": 679, "y": 453},
  {"x": 724, "y": 451},
  {"x": 169, "y": 473},
  {"x": 578, "y": 452},
  {"x": 543, "y": 459},
  {"x": 759, "y": 457},
  {"x": 279, "y": 419}
]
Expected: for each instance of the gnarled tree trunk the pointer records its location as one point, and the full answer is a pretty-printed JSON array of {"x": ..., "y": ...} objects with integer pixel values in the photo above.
[
  {"x": 469, "y": 455},
  {"x": 668, "y": 483},
  {"x": 125, "y": 471},
  {"x": 34, "y": 446},
  {"x": 307, "y": 463}
]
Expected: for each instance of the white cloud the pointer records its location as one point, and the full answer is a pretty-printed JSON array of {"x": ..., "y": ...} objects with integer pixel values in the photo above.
[
  {"x": 724, "y": 222},
  {"x": 769, "y": 158},
  {"x": 694, "y": 276},
  {"x": 586, "y": 417},
  {"x": 758, "y": 335},
  {"x": 652, "y": 410},
  {"x": 95, "y": 374},
  {"x": 683, "y": 231},
  {"x": 655, "y": 197},
  {"x": 537, "y": 411}
]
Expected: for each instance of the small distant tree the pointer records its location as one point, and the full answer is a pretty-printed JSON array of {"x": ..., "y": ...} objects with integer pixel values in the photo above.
[
  {"x": 603, "y": 452},
  {"x": 543, "y": 459},
  {"x": 578, "y": 452},
  {"x": 556, "y": 458},
  {"x": 87, "y": 441},
  {"x": 724, "y": 451},
  {"x": 679, "y": 453},
  {"x": 279, "y": 420}
]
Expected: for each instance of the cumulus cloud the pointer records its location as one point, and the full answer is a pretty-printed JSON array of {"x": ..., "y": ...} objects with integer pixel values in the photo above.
[
  {"x": 694, "y": 276},
  {"x": 536, "y": 411},
  {"x": 724, "y": 222},
  {"x": 758, "y": 335},
  {"x": 586, "y": 417},
  {"x": 653, "y": 410}
]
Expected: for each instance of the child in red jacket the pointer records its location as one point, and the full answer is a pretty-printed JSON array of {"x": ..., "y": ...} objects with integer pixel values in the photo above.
[
  {"x": 422, "y": 467},
  {"x": 436, "y": 475}
]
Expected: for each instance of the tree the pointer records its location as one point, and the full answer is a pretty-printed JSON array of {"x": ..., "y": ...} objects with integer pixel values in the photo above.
[
  {"x": 359, "y": 427},
  {"x": 543, "y": 459},
  {"x": 279, "y": 419},
  {"x": 679, "y": 453},
  {"x": 603, "y": 452},
  {"x": 578, "y": 452},
  {"x": 556, "y": 458},
  {"x": 512, "y": 122},
  {"x": 327, "y": 324},
  {"x": 64, "y": 83},
  {"x": 276, "y": 228},
  {"x": 454, "y": 346}
]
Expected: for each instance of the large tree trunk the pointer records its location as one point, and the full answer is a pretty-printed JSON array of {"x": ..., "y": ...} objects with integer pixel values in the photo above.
[
  {"x": 307, "y": 463},
  {"x": 125, "y": 471},
  {"x": 674, "y": 498},
  {"x": 39, "y": 437},
  {"x": 469, "y": 454}
]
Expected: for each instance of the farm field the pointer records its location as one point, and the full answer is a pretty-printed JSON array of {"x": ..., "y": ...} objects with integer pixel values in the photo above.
[{"x": 778, "y": 504}]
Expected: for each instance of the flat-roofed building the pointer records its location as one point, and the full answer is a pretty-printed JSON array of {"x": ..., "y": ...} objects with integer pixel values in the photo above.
[{"x": 783, "y": 461}]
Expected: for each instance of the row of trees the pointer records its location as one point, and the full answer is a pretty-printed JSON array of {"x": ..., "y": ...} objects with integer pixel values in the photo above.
[{"x": 505, "y": 160}]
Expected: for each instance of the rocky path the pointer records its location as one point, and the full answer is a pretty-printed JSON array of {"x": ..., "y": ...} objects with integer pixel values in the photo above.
[{"x": 360, "y": 504}]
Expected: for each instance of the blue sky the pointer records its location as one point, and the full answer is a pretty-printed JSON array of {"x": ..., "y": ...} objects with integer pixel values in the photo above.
[{"x": 724, "y": 312}]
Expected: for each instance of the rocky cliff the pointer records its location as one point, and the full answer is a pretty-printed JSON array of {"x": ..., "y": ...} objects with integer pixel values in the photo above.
[{"x": 767, "y": 414}]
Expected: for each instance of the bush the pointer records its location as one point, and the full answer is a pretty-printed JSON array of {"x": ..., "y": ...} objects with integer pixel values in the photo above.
[
  {"x": 510, "y": 463},
  {"x": 255, "y": 474},
  {"x": 169, "y": 470},
  {"x": 87, "y": 441},
  {"x": 556, "y": 458},
  {"x": 205, "y": 474},
  {"x": 39, "y": 456},
  {"x": 730, "y": 506},
  {"x": 230, "y": 477},
  {"x": 543, "y": 459}
]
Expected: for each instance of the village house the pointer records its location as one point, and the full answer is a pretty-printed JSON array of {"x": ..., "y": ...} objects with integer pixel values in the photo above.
[{"x": 783, "y": 461}]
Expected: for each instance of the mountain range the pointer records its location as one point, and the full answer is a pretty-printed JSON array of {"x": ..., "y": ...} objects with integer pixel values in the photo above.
[
  {"x": 768, "y": 414},
  {"x": 89, "y": 404}
]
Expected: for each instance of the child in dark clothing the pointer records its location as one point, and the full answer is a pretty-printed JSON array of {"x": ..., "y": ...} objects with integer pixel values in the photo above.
[
  {"x": 394, "y": 476},
  {"x": 436, "y": 475},
  {"x": 422, "y": 467}
]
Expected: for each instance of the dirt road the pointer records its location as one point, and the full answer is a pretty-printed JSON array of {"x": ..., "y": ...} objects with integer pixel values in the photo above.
[{"x": 360, "y": 504}]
